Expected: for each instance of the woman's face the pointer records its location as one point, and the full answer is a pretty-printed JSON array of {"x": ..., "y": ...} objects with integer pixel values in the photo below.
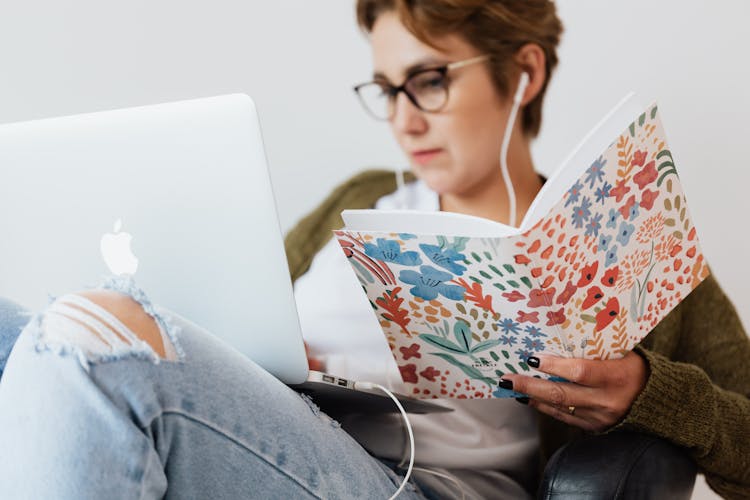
[{"x": 457, "y": 149}]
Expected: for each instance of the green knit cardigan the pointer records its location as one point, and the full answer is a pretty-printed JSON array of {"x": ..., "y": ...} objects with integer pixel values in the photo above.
[{"x": 698, "y": 357}]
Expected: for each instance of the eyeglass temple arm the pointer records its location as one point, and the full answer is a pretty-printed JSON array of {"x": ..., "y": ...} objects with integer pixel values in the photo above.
[{"x": 466, "y": 62}]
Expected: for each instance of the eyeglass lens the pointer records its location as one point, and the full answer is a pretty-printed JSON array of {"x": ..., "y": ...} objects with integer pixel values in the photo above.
[{"x": 428, "y": 88}]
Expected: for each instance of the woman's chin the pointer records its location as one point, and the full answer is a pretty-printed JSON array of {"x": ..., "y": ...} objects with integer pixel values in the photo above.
[
  {"x": 440, "y": 186},
  {"x": 436, "y": 179}
]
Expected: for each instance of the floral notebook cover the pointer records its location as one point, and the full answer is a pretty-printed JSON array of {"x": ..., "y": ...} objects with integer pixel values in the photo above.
[{"x": 590, "y": 279}]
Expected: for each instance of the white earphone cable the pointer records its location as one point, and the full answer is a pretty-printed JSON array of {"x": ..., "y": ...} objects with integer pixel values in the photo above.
[
  {"x": 400, "y": 182},
  {"x": 522, "y": 84}
]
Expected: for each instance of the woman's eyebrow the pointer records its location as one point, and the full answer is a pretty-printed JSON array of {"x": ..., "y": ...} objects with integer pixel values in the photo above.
[{"x": 429, "y": 62}]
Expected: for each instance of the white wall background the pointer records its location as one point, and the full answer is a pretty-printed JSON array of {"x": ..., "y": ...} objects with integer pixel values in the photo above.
[{"x": 298, "y": 59}]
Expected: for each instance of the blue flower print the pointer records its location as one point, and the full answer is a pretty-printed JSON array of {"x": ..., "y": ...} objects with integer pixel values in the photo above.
[
  {"x": 611, "y": 257},
  {"x": 594, "y": 225},
  {"x": 574, "y": 193},
  {"x": 602, "y": 192},
  {"x": 604, "y": 242},
  {"x": 499, "y": 392},
  {"x": 390, "y": 251},
  {"x": 524, "y": 354},
  {"x": 612, "y": 219},
  {"x": 509, "y": 326},
  {"x": 431, "y": 282},
  {"x": 508, "y": 340},
  {"x": 596, "y": 171},
  {"x": 623, "y": 235},
  {"x": 534, "y": 331},
  {"x": 582, "y": 212},
  {"x": 533, "y": 344},
  {"x": 407, "y": 236},
  {"x": 634, "y": 211},
  {"x": 444, "y": 257}
]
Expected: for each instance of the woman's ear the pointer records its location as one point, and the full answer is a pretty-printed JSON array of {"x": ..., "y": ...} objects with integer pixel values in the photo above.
[{"x": 531, "y": 59}]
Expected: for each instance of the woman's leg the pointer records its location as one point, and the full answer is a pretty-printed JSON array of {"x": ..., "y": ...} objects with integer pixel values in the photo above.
[{"x": 91, "y": 412}]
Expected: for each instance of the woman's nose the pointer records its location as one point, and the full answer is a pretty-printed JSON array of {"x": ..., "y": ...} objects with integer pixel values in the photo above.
[{"x": 407, "y": 118}]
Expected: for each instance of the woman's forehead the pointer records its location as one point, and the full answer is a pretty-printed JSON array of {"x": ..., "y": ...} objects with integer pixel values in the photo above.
[{"x": 396, "y": 51}]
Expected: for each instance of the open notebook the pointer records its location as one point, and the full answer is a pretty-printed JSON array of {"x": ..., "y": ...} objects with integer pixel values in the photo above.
[{"x": 605, "y": 251}]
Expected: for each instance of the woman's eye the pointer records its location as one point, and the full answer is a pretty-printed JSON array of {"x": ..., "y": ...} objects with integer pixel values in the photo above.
[
  {"x": 428, "y": 82},
  {"x": 438, "y": 81}
]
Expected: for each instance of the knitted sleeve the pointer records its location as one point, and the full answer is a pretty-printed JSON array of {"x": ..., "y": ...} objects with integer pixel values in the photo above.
[
  {"x": 698, "y": 399},
  {"x": 314, "y": 230}
]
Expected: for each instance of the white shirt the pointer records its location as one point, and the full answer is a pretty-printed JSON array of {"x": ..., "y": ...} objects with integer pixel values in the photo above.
[{"x": 489, "y": 437}]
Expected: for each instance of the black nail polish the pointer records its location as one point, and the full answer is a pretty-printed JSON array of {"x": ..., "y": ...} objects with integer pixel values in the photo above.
[
  {"x": 523, "y": 400},
  {"x": 505, "y": 384},
  {"x": 533, "y": 361}
]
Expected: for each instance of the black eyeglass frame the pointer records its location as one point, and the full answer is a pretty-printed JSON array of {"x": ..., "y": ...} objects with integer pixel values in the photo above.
[{"x": 393, "y": 91}]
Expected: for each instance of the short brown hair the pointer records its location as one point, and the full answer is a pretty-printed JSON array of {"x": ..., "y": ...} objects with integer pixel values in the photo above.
[{"x": 494, "y": 27}]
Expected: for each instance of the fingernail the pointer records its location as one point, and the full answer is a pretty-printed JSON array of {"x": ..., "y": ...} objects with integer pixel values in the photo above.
[
  {"x": 533, "y": 361},
  {"x": 523, "y": 400},
  {"x": 505, "y": 384}
]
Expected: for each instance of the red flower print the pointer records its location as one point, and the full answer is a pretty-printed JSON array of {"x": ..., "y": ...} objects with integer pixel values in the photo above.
[
  {"x": 647, "y": 175},
  {"x": 588, "y": 273},
  {"x": 648, "y": 197},
  {"x": 521, "y": 259},
  {"x": 606, "y": 315},
  {"x": 610, "y": 276},
  {"x": 532, "y": 317},
  {"x": 410, "y": 352},
  {"x": 347, "y": 246},
  {"x": 541, "y": 298},
  {"x": 619, "y": 191},
  {"x": 566, "y": 294},
  {"x": 409, "y": 373},
  {"x": 430, "y": 373},
  {"x": 625, "y": 209},
  {"x": 556, "y": 317},
  {"x": 514, "y": 296},
  {"x": 593, "y": 295},
  {"x": 638, "y": 158}
]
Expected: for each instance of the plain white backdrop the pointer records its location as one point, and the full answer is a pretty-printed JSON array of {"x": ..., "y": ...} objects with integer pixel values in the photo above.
[{"x": 299, "y": 59}]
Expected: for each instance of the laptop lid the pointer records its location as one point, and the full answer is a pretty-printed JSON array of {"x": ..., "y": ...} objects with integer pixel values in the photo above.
[{"x": 188, "y": 180}]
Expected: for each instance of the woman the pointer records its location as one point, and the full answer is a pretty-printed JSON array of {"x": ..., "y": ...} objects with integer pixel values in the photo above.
[
  {"x": 134, "y": 427},
  {"x": 454, "y": 145}
]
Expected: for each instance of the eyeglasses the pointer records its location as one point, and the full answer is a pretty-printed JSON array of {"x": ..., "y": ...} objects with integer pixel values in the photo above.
[{"x": 427, "y": 89}]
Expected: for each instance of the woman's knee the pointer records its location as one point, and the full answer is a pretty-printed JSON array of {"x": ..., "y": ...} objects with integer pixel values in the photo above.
[{"x": 104, "y": 323}]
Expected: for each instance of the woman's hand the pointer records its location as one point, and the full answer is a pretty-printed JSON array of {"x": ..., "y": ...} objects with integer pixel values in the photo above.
[
  {"x": 314, "y": 363},
  {"x": 598, "y": 395}
]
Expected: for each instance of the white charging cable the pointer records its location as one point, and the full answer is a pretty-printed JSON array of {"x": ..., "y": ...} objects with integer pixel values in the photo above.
[
  {"x": 371, "y": 386},
  {"x": 411, "y": 468},
  {"x": 522, "y": 84},
  {"x": 444, "y": 476}
]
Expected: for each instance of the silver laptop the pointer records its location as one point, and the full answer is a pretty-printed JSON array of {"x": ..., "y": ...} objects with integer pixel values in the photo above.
[{"x": 188, "y": 181}]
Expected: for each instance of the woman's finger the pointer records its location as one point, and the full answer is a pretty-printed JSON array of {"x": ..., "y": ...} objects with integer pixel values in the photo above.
[
  {"x": 588, "y": 372},
  {"x": 572, "y": 415},
  {"x": 560, "y": 394}
]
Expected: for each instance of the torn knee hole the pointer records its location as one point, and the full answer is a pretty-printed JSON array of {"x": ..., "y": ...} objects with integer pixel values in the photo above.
[{"x": 102, "y": 322}]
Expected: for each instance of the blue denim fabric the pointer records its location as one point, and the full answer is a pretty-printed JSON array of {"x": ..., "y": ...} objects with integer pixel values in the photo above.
[
  {"x": 211, "y": 424},
  {"x": 12, "y": 320}
]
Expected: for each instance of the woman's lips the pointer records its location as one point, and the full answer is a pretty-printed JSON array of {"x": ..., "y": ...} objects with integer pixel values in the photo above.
[{"x": 424, "y": 156}]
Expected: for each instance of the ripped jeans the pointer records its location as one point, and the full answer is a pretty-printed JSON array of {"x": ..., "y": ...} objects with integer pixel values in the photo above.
[{"x": 88, "y": 409}]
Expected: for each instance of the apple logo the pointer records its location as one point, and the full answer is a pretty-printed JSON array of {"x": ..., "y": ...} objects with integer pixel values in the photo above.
[{"x": 116, "y": 251}]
